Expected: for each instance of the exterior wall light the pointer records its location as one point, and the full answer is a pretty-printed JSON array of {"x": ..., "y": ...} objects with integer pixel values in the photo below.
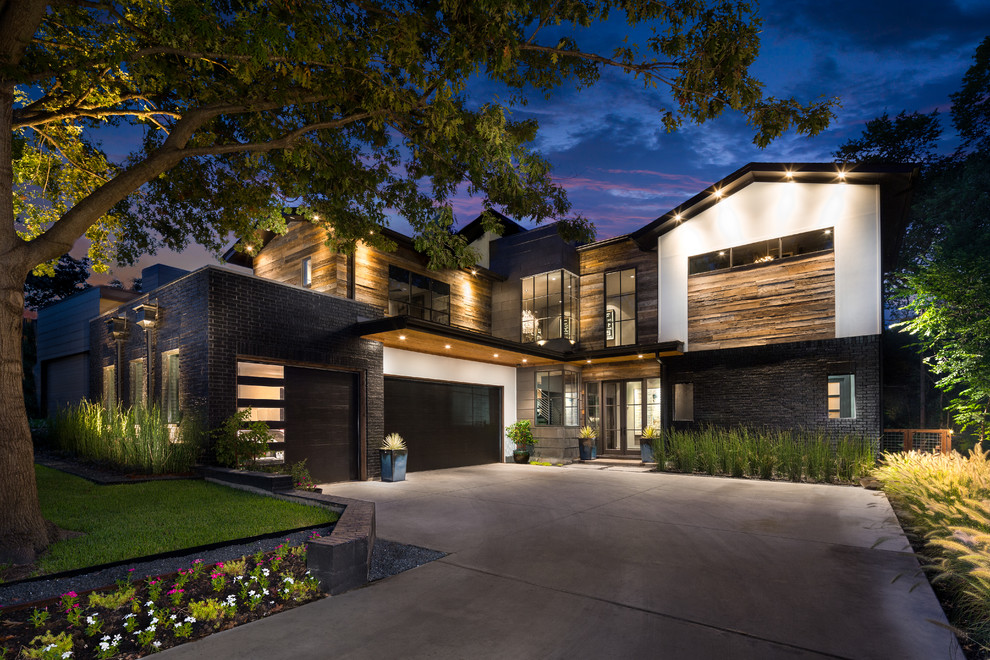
[
  {"x": 118, "y": 328},
  {"x": 148, "y": 315}
]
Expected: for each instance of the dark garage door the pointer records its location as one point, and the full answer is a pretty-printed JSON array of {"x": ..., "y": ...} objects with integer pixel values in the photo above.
[
  {"x": 321, "y": 422},
  {"x": 445, "y": 424}
]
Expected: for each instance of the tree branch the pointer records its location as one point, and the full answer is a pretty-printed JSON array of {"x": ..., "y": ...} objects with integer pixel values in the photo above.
[{"x": 646, "y": 68}]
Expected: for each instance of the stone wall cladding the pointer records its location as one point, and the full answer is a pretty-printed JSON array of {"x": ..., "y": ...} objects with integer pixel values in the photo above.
[
  {"x": 216, "y": 316},
  {"x": 781, "y": 386}
]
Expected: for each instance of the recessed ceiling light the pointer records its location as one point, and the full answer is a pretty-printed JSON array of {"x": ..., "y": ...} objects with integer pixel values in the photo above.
[
  {"x": 525, "y": 360},
  {"x": 718, "y": 194},
  {"x": 446, "y": 345},
  {"x": 588, "y": 361},
  {"x": 495, "y": 355},
  {"x": 842, "y": 175},
  {"x": 474, "y": 272},
  {"x": 402, "y": 337},
  {"x": 639, "y": 356},
  {"x": 677, "y": 217},
  {"x": 789, "y": 174}
]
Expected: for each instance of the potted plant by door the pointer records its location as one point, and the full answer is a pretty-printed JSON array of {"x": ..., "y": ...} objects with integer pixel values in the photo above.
[
  {"x": 393, "y": 452},
  {"x": 588, "y": 446},
  {"x": 648, "y": 444},
  {"x": 521, "y": 434}
]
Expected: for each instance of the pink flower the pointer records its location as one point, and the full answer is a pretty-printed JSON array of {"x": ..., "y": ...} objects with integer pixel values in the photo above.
[
  {"x": 214, "y": 576},
  {"x": 71, "y": 594}
]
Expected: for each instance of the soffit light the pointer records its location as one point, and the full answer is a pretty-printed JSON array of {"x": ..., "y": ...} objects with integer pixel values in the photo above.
[{"x": 402, "y": 337}]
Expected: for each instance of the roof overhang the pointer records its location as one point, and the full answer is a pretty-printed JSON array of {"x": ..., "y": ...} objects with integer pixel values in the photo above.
[
  {"x": 895, "y": 180},
  {"x": 412, "y": 334}
]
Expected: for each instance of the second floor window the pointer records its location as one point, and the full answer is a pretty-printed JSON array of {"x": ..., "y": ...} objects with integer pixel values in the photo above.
[
  {"x": 620, "y": 307},
  {"x": 550, "y": 307},
  {"x": 412, "y": 294}
]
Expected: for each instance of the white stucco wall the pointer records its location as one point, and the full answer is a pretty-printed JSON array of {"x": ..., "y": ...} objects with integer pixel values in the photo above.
[
  {"x": 763, "y": 211},
  {"x": 410, "y": 364}
]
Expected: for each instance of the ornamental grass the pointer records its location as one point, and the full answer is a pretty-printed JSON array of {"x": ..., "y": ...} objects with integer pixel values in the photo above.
[
  {"x": 767, "y": 454},
  {"x": 945, "y": 502},
  {"x": 137, "y": 438}
]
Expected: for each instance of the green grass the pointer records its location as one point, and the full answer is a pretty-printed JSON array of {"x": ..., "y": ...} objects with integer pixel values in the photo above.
[{"x": 132, "y": 520}]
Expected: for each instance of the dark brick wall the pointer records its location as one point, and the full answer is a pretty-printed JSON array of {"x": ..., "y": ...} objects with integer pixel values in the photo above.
[
  {"x": 215, "y": 316},
  {"x": 781, "y": 386}
]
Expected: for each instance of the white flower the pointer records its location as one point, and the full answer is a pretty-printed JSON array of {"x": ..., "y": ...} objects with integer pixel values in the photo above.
[
  {"x": 190, "y": 619},
  {"x": 252, "y": 592},
  {"x": 150, "y": 603},
  {"x": 91, "y": 619},
  {"x": 116, "y": 639},
  {"x": 104, "y": 646},
  {"x": 154, "y": 620},
  {"x": 129, "y": 616},
  {"x": 150, "y": 628},
  {"x": 264, "y": 572},
  {"x": 49, "y": 647},
  {"x": 173, "y": 617},
  {"x": 289, "y": 580},
  {"x": 106, "y": 638},
  {"x": 67, "y": 654},
  {"x": 156, "y": 643}
]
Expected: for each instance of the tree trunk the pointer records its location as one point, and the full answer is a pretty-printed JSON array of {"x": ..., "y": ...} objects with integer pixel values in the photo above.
[{"x": 23, "y": 530}]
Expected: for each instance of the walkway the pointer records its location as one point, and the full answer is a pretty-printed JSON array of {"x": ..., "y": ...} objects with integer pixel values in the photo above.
[{"x": 549, "y": 562}]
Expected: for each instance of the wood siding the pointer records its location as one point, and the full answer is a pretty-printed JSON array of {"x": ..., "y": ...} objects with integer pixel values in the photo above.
[
  {"x": 595, "y": 262},
  {"x": 647, "y": 367},
  {"x": 281, "y": 260},
  {"x": 793, "y": 300}
]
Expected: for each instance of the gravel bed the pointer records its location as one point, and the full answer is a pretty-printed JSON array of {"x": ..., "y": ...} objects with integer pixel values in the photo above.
[{"x": 387, "y": 559}]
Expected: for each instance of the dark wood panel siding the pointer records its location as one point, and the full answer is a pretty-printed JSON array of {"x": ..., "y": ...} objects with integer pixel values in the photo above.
[
  {"x": 647, "y": 367},
  {"x": 793, "y": 300},
  {"x": 470, "y": 295},
  {"x": 321, "y": 422},
  {"x": 595, "y": 262}
]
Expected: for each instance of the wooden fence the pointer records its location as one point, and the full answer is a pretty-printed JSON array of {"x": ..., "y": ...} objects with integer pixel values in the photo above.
[{"x": 928, "y": 440}]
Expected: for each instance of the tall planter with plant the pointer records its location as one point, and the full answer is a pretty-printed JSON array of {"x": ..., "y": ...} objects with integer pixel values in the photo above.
[
  {"x": 394, "y": 456},
  {"x": 651, "y": 445},
  {"x": 588, "y": 445},
  {"x": 521, "y": 433}
]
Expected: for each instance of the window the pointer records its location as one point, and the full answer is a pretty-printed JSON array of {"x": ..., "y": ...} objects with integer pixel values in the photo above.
[
  {"x": 307, "y": 272},
  {"x": 620, "y": 307},
  {"x": 819, "y": 240},
  {"x": 556, "y": 398},
  {"x": 653, "y": 410},
  {"x": 170, "y": 386},
  {"x": 683, "y": 402},
  {"x": 591, "y": 411},
  {"x": 842, "y": 396},
  {"x": 109, "y": 386},
  {"x": 550, "y": 307},
  {"x": 137, "y": 382},
  {"x": 261, "y": 387},
  {"x": 412, "y": 294}
]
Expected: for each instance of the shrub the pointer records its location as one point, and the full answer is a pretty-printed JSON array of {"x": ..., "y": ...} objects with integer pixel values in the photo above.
[
  {"x": 237, "y": 442},
  {"x": 521, "y": 433},
  {"x": 682, "y": 451},
  {"x": 136, "y": 438}
]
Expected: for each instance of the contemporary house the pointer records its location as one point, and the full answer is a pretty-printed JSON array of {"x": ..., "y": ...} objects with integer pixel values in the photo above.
[{"x": 757, "y": 301}]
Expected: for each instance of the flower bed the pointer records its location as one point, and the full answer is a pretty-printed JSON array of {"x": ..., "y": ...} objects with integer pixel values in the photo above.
[{"x": 144, "y": 616}]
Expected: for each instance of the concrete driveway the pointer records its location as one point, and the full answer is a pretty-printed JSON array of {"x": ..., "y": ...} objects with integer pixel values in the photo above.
[{"x": 583, "y": 562}]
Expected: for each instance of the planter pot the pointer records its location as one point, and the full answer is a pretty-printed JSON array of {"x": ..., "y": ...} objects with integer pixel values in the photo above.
[
  {"x": 588, "y": 451},
  {"x": 520, "y": 456},
  {"x": 646, "y": 452},
  {"x": 393, "y": 464}
]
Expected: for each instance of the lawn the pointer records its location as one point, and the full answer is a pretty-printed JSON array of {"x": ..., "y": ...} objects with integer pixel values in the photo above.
[{"x": 133, "y": 520}]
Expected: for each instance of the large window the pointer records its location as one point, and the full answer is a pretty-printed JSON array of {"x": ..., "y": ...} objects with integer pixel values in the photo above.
[
  {"x": 620, "y": 307},
  {"x": 556, "y": 398},
  {"x": 170, "y": 386},
  {"x": 550, "y": 307},
  {"x": 761, "y": 252},
  {"x": 137, "y": 382},
  {"x": 417, "y": 295},
  {"x": 842, "y": 396}
]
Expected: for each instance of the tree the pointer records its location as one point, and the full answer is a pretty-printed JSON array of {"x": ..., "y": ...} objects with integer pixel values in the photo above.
[
  {"x": 942, "y": 278},
  {"x": 356, "y": 109},
  {"x": 68, "y": 277}
]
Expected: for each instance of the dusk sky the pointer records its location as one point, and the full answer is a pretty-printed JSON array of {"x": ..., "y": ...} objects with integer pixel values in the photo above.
[{"x": 620, "y": 168}]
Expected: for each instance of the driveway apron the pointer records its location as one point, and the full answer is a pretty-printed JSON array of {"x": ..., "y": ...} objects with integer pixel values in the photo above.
[{"x": 550, "y": 562}]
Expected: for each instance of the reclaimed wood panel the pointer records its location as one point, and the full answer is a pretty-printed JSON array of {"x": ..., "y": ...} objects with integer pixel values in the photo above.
[
  {"x": 470, "y": 295},
  {"x": 281, "y": 259},
  {"x": 647, "y": 367},
  {"x": 792, "y": 300},
  {"x": 619, "y": 255}
]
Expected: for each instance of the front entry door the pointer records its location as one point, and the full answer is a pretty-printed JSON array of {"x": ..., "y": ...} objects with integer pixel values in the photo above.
[{"x": 625, "y": 411}]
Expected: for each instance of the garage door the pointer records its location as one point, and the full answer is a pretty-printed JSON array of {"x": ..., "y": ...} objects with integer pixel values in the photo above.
[
  {"x": 312, "y": 414},
  {"x": 321, "y": 422},
  {"x": 445, "y": 424},
  {"x": 66, "y": 381}
]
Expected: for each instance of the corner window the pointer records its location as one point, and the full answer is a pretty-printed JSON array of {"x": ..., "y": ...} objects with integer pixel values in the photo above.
[
  {"x": 412, "y": 294},
  {"x": 556, "y": 398},
  {"x": 109, "y": 386},
  {"x": 170, "y": 386},
  {"x": 137, "y": 391},
  {"x": 307, "y": 272},
  {"x": 842, "y": 396},
  {"x": 762, "y": 252},
  {"x": 620, "y": 307},
  {"x": 683, "y": 402},
  {"x": 550, "y": 307}
]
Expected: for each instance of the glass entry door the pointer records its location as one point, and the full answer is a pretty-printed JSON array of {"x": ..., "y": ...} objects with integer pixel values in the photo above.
[{"x": 625, "y": 410}]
